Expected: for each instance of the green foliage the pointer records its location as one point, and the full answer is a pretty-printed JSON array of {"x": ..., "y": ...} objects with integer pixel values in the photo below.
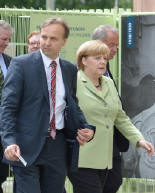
[
  {"x": 36, "y": 4},
  {"x": 67, "y": 4},
  {"x": 84, "y": 4},
  {"x": 126, "y": 4}
]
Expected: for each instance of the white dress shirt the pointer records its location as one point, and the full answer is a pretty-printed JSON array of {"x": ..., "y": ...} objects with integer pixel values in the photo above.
[
  {"x": 60, "y": 91},
  {"x": 3, "y": 65}
]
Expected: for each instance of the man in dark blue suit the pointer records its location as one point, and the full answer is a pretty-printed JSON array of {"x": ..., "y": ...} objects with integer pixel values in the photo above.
[
  {"x": 5, "y": 36},
  {"x": 39, "y": 105}
]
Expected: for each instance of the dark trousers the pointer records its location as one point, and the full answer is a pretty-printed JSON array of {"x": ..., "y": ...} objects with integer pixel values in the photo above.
[
  {"x": 4, "y": 169},
  {"x": 47, "y": 174},
  {"x": 88, "y": 180},
  {"x": 114, "y": 177},
  {"x": 64, "y": 190}
]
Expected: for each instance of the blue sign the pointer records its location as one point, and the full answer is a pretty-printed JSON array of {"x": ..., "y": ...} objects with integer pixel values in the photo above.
[{"x": 129, "y": 32}]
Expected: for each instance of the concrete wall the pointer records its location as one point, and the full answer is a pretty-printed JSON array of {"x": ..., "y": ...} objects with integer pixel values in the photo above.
[{"x": 143, "y": 5}]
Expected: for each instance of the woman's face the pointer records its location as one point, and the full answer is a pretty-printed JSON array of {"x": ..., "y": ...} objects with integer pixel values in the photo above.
[{"x": 95, "y": 65}]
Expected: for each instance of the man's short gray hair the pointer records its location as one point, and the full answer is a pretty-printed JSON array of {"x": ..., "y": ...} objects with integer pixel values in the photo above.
[
  {"x": 6, "y": 25},
  {"x": 100, "y": 33}
]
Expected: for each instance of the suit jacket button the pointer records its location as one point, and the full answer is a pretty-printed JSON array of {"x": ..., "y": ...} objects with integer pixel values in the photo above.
[{"x": 107, "y": 126}]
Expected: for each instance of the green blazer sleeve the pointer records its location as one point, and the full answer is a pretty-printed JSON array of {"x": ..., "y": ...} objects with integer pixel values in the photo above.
[{"x": 124, "y": 124}]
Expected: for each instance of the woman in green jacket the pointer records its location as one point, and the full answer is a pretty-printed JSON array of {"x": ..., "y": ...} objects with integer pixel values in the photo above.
[{"x": 101, "y": 105}]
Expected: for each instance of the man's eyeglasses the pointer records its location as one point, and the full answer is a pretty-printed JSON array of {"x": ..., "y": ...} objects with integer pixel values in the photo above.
[{"x": 34, "y": 43}]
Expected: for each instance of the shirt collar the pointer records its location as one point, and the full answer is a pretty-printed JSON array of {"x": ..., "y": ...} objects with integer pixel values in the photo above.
[{"x": 47, "y": 61}]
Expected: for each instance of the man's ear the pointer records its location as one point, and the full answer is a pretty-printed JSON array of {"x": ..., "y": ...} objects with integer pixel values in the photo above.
[{"x": 64, "y": 43}]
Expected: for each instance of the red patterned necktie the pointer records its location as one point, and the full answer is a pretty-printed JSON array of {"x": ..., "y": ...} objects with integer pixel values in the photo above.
[{"x": 53, "y": 94}]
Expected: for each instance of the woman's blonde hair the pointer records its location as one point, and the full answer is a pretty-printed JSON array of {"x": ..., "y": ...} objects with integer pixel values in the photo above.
[{"x": 91, "y": 48}]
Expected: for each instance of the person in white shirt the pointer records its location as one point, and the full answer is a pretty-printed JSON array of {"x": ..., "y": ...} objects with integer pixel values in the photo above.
[{"x": 5, "y": 37}]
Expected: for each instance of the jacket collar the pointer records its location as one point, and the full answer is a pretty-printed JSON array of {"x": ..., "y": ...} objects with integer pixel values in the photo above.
[{"x": 89, "y": 85}]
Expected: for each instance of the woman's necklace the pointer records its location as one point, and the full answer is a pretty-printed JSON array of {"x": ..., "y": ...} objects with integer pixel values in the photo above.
[{"x": 99, "y": 84}]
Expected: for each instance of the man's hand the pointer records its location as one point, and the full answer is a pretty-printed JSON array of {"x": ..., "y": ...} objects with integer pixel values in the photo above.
[
  {"x": 84, "y": 135},
  {"x": 12, "y": 152},
  {"x": 147, "y": 146}
]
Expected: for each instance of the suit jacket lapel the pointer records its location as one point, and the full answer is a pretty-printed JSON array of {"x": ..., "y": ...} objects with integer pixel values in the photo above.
[
  {"x": 64, "y": 76},
  {"x": 108, "y": 69},
  {"x": 111, "y": 76},
  {"x": 7, "y": 59},
  {"x": 41, "y": 72}
]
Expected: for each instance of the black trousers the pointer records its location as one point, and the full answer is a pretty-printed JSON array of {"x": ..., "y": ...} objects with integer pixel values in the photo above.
[
  {"x": 4, "y": 169},
  {"x": 88, "y": 180},
  {"x": 114, "y": 177},
  {"x": 47, "y": 174}
]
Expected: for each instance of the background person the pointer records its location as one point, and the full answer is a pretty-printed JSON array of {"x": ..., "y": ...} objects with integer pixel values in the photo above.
[
  {"x": 33, "y": 41},
  {"x": 5, "y": 37},
  {"x": 39, "y": 89},
  {"x": 104, "y": 111},
  {"x": 109, "y": 35}
]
